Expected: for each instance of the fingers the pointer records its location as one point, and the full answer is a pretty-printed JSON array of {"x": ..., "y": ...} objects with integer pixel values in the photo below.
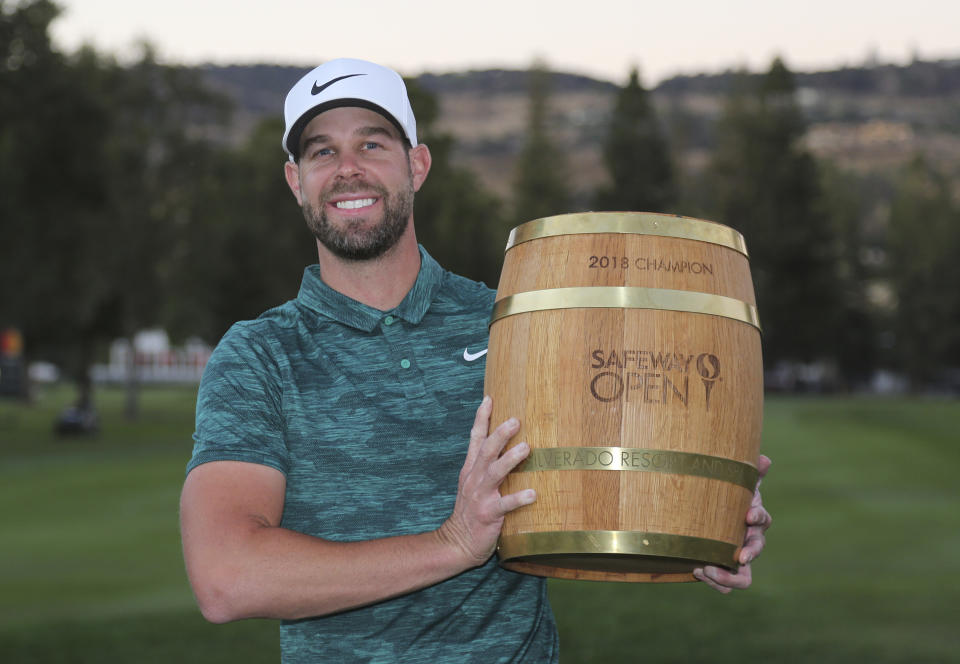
[
  {"x": 723, "y": 580},
  {"x": 478, "y": 433},
  {"x": 486, "y": 443},
  {"x": 757, "y": 515},
  {"x": 763, "y": 465},
  {"x": 477, "y": 517},
  {"x": 752, "y": 545},
  {"x": 491, "y": 448},
  {"x": 487, "y": 465},
  {"x": 758, "y": 521},
  {"x": 512, "y": 501}
]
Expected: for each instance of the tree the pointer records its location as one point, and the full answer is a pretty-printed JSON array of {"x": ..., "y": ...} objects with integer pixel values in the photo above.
[
  {"x": 242, "y": 244},
  {"x": 766, "y": 185},
  {"x": 856, "y": 336},
  {"x": 636, "y": 156},
  {"x": 459, "y": 222},
  {"x": 53, "y": 129},
  {"x": 541, "y": 184},
  {"x": 923, "y": 245},
  {"x": 85, "y": 149}
]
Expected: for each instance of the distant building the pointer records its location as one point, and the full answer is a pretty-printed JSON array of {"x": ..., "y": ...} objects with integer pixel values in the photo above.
[{"x": 154, "y": 360}]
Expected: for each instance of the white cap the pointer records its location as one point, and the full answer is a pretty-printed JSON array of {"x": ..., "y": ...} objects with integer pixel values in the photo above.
[{"x": 346, "y": 82}]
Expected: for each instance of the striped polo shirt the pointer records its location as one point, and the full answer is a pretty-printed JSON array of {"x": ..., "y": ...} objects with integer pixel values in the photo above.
[{"x": 368, "y": 414}]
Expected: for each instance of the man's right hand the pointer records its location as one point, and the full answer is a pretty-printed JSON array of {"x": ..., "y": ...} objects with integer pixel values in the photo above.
[{"x": 478, "y": 513}]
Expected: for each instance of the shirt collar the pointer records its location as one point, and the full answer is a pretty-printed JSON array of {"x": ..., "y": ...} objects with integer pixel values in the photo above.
[{"x": 319, "y": 297}]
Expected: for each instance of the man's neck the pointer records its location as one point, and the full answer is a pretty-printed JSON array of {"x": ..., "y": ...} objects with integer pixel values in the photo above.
[{"x": 381, "y": 283}]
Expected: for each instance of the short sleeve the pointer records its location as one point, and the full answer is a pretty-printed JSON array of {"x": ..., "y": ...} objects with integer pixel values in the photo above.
[{"x": 239, "y": 404}]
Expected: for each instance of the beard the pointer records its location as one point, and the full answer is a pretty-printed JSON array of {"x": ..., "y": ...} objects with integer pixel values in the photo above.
[{"x": 357, "y": 241}]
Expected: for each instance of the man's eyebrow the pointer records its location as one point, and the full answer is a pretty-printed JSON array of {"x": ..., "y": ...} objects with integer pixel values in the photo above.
[
  {"x": 375, "y": 130},
  {"x": 316, "y": 138}
]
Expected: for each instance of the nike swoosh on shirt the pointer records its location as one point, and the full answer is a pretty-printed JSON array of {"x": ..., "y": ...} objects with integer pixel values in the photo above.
[
  {"x": 470, "y": 357},
  {"x": 317, "y": 89}
]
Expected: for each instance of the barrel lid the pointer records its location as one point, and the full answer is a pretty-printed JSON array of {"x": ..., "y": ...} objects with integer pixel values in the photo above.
[{"x": 638, "y": 223}]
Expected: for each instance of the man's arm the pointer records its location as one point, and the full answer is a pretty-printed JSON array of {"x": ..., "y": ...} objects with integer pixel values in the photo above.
[{"x": 242, "y": 564}]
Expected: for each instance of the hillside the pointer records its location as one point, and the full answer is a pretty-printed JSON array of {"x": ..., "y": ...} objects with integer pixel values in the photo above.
[{"x": 869, "y": 119}]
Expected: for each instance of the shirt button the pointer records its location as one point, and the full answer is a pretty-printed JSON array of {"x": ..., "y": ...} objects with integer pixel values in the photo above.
[
  {"x": 388, "y": 320},
  {"x": 405, "y": 363}
]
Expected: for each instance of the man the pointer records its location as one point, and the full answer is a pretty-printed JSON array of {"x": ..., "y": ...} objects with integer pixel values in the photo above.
[{"x": 328, "y": 486}]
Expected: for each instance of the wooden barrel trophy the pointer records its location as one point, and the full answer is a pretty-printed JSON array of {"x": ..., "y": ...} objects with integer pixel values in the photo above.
[{"x": 628, "y": 345}]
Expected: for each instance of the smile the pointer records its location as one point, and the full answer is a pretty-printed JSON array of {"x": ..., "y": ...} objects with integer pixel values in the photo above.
[{"x": 355, "y": 204}]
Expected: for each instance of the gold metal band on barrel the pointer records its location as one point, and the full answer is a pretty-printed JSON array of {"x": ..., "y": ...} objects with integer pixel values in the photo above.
[
  {"x": 642, "y": 460},
  {"x": 625, "y": 297},
  {"x": 618, "y": 542},
  {"x": 637, "y": 223}
]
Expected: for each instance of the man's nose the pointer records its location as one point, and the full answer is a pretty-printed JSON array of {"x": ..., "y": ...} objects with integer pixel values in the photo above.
[{"x": 349, "y": 165}]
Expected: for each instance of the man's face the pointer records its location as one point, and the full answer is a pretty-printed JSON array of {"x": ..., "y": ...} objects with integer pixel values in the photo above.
[{"x": 355, "y": 182}]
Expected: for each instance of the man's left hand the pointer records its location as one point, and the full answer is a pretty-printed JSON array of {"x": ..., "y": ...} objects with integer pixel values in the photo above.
[{"x": 758, "y": 520}]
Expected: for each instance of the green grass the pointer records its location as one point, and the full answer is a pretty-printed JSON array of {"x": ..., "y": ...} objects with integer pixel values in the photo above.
[
  {"x": 862, "y": 559},
  {"x": 90, "y": 562},
  {"x": 861, "y": 565}
]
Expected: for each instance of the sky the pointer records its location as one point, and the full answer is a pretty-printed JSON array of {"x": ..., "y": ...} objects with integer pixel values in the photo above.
[{"x": 599, "y": 38}]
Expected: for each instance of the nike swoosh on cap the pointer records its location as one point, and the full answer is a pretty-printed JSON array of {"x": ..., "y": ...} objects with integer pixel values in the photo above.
[
  {"x": 317, "y": 89},
  {"x": 470, "y": 357}
]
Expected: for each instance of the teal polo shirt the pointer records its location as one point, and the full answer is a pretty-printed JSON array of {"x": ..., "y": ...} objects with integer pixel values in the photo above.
[{"x": 368, "y": 415}]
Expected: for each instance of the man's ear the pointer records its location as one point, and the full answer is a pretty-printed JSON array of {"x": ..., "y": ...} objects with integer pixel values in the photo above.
[
  {"x": 291, "y": 171},
  {"x": 420, "y": 161}
]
